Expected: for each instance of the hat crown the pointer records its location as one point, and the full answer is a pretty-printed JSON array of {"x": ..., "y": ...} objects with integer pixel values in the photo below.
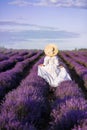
[{"x": 51, "y": 50}]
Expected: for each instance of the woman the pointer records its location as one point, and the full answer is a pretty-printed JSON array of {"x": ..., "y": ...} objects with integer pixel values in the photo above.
[{"x": 50, "y": 69}]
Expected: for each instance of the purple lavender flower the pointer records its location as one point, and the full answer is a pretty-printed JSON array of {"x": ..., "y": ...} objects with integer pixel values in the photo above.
[
  {"x": 67, "y": 112},
  {"x": 26, "y": 104},
  {"x": 81, "y": 125},
  {"x": 68, "y": 89},
  {"x": 11, "y": 78}
]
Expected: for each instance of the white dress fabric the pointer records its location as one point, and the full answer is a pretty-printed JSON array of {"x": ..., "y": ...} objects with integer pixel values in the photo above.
[{"x": 51, "y": 72}]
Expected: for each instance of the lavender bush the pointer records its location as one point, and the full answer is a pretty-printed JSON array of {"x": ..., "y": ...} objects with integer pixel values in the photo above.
[
  {"x": 8, "y": 78},
  {"x": 31, "y": 105},
  {"x": 67, "y": 112},
  {"x": 80, "y": 69},
  {"x": 82, "y": 125},
  {"x": 27, "y": 105},
  {"x": 68, "y": 89}
]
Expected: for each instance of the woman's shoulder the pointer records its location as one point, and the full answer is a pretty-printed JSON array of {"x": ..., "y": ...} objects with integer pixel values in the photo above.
[
  {"x": 55, "y": 57},
  {"x": 46, "y": 57}
]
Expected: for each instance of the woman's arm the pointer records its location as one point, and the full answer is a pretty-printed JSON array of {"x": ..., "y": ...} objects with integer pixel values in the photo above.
[
  {"x": 46, "y": 60},
  {"x": 56, "y": 61}
]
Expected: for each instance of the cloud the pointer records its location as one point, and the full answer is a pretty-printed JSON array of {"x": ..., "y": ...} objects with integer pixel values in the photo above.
[
  {"x": 53, "y": 1},
  {"x": 29, "y": 3},
  {"x": 20, "y": 3},
  {"x": 12, "y": 26},
  {"x": 57, "y": 3},
  {"x": 33, "y": 31},
  {"x": 35, "y": 35},
  {"x": 13, "y": 33}
]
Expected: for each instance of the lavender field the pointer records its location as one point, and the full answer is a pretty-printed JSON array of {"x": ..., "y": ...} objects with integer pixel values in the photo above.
[{"x": 27, "y": 102}]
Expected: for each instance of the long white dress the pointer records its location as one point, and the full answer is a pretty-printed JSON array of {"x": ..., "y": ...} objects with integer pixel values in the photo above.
[{"x": 51, "y": 72}]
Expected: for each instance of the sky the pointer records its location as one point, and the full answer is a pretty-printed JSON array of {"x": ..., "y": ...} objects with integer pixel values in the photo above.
[{"x": 32, "y": 24}]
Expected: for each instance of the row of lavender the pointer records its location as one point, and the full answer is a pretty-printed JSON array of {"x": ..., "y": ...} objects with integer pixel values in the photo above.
[
  {"x": 27, "y": 107},
  {"x": 69, "y": 110},
  {"x": 5, "y": 54},
  {"x": 9, "y": 63},
  {"x": 78, "y": 57},
  {"x": 12, "y": 77},
  {"x": 72, "y": 61}
]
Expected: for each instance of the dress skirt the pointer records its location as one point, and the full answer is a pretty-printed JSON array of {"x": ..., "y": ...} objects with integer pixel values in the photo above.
[{"x": 53, "y": 75}]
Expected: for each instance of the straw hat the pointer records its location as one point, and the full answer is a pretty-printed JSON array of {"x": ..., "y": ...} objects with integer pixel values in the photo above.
[{"x": 51, "y": 50}]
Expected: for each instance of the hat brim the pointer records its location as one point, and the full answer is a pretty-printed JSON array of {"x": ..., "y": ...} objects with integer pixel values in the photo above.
[{"x": 48, "y": 49}]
